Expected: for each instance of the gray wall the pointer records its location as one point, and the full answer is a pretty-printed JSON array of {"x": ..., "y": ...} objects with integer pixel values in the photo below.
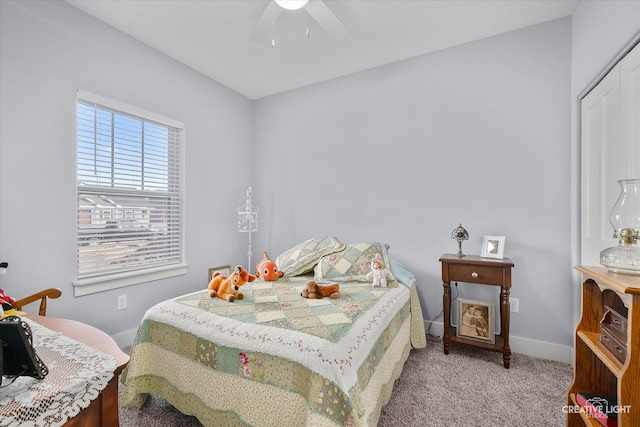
[
  {"x": 484, "y": 134},
  {"x": 478, "y": 134},
  {"x": 49, "y": 50},
  {"x": 601, "y": 30}
]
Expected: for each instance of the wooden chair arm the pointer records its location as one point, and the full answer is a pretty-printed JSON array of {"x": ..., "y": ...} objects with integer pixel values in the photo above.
[{"x": 42, "y": 296}]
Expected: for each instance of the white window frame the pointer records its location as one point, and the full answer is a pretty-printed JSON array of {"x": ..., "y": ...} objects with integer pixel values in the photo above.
[{"x": 97, "y": 281}]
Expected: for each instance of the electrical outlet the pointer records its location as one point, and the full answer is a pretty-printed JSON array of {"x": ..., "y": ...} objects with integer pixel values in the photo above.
[
  {"x": 122, "y": 302},
  {"x": 514, "y": 303}
]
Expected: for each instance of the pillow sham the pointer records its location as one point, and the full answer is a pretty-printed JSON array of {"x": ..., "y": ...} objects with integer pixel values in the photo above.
[
  {"x": 304, "y": 256},
  {"x": 353, "y": 263},
  {"x": 401, "y": 274}
]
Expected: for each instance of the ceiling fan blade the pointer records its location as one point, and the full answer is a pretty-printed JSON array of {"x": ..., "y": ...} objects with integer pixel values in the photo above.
[
  {"x": 264, "y": 26},
  {"x": 329, "y": 22}
]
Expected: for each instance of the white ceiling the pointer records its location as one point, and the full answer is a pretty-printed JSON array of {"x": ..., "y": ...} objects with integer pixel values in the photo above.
[{"x": 212, "y": 36}]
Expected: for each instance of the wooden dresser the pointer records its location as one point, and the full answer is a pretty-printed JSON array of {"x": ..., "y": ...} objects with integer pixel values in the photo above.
[{"x": 597, "y": 370}]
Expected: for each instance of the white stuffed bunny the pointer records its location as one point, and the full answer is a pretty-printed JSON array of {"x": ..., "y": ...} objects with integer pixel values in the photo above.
[{"x": 378, "y": 273}]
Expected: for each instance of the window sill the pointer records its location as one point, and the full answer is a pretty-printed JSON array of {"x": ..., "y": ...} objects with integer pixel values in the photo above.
[{"x": 94, "y": 285}]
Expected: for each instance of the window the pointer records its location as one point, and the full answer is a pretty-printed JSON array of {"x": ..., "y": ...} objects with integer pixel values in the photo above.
[{"x": 129, "y": 195}]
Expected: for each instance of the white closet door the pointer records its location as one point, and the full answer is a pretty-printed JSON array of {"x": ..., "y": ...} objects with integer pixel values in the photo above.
[
  {"x": 630, "y": 105},
  {"x": 600, "y": 135},
  {"x": 610, "y": 151}
]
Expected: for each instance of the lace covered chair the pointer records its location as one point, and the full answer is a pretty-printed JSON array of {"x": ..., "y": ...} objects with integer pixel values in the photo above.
[{"x": 43, "y": 296}]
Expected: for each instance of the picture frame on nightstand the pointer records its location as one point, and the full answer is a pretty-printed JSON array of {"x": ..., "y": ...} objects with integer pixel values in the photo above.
[
  {"x": 493, "y": 247},
  {"x": 476, "y": 320}
]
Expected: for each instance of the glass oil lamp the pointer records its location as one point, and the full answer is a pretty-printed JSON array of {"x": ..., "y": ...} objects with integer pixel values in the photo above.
[{"x": 625, "y": 219}]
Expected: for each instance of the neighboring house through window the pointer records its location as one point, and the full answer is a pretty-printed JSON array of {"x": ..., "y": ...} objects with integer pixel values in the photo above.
[{"x": 129, "y": 195}]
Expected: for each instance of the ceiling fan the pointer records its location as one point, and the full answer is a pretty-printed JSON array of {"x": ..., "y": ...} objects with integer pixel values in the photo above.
[{"x": 316, "y": 9}]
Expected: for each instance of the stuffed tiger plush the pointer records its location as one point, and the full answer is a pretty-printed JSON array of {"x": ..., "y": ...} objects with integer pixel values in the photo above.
[{"x": 226, "y": 288}]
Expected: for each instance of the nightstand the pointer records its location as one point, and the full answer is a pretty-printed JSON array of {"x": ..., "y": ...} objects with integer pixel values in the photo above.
[{"x": 482, "y": 271}]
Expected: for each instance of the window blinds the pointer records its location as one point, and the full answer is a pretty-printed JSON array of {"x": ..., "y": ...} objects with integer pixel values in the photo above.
[{"x": 129, "y": 190}]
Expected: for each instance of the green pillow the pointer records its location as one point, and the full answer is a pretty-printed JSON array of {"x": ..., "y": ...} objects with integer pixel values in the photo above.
[
  {"x": 304, "y": 256},
  {"x": 353, "y": 263}
]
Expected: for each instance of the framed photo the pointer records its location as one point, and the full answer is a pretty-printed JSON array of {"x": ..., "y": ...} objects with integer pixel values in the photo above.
[
  {"x": 224, "y": 269},
  {"x": 493, "y": 247},
  {"x": 476, "y": 320}
]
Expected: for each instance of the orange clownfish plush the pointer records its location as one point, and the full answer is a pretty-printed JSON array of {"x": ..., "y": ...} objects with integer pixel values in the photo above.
[
  {"x": 268, "y": 269},
  {"x": 226, "y": 288}
]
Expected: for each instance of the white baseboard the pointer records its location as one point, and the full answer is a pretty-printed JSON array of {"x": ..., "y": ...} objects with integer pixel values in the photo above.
[
  {"x": 125, "y": 338},
  {"x": 534, "y": 348}
]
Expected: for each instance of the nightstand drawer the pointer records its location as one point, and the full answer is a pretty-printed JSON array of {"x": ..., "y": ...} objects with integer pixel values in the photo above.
[{"x": 476, "y": 274}]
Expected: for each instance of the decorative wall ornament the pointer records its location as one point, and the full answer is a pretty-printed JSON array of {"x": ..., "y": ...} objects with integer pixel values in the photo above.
[{"x": 248, "y": 221}]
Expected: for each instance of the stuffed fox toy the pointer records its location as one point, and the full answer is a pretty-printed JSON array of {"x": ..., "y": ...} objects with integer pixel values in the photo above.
[{"x": 226, "y": 288}]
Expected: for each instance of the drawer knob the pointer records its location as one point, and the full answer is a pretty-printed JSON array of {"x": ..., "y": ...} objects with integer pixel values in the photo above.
[{"x": 474, "y": 275}]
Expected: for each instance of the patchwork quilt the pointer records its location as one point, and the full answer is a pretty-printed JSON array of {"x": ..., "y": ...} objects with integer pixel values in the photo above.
[
  {"x": 279, "y": 304},
  {"x": 286, "y": 360}
]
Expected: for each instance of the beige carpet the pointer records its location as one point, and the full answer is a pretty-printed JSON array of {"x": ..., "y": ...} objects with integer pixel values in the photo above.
[{"x": 465, "y": 388}]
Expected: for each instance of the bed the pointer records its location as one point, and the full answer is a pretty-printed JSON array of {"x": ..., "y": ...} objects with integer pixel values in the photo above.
[{"x": 275, "y": 358}]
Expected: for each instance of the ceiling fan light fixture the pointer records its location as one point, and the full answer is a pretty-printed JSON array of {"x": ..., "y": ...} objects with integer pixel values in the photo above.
[{"x": 291, "y": 4}]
